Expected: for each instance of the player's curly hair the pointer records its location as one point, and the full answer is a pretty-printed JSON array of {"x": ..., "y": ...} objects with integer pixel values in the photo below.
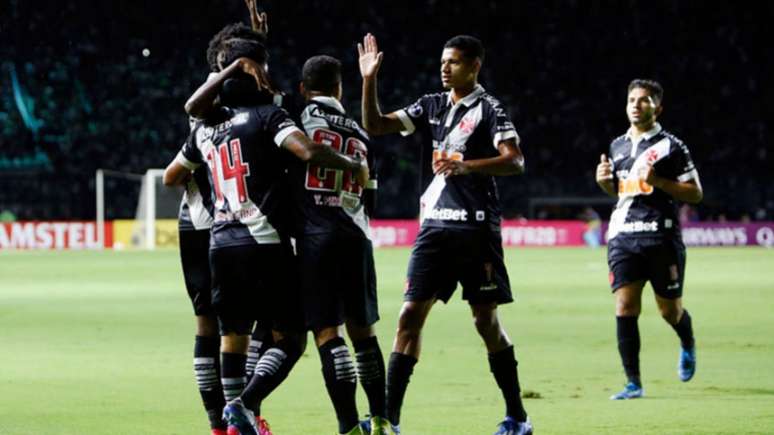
[
  {"x": 231, "y": 32},
  {"x": 235, "y": 48}
]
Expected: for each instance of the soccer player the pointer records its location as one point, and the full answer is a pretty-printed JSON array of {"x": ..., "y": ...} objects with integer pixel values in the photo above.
[
  {"x": 335, "y": 252},
  {"x": 473, "y": 140},
  {"x": 250, "y": 255},
  {"x": 194, "y": 222},
  {"x": 649, "y": 170}
]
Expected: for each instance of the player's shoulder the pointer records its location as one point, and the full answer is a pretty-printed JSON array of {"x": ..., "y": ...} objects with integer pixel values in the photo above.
[
  {"x": 672, "y": 138},
  {"x": 618, "y": 141},
  {"x": 490, "y": 101},
  {"x": 434, "y": 98}
]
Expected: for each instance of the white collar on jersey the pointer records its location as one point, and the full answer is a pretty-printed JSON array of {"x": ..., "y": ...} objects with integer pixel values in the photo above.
[
  {"x": 647, "y": 135},
  {"x": 330, "y": 101},
  {"x": 469, "y": 99}
]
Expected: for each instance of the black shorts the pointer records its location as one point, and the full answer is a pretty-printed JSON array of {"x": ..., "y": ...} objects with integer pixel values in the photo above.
[
  {"x": 195, "y": 257},
  {"x": 338, "y": 280},
  {"x": 443, "y": 257},
  {"x": 256, "y": 283},
  {"x": 660, "y": 261}
]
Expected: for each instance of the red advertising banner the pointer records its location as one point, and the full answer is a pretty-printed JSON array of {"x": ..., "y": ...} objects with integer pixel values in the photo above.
[
  {"x": 515, "y": 233},
  {"x": 53, "y": 235}
]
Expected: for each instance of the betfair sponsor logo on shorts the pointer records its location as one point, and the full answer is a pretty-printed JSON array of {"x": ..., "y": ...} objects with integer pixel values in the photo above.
[{"x": 447, "y": 214}]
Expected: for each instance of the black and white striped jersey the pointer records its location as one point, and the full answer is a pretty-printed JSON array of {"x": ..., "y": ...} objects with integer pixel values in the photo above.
[
  {"x": 246, "y": 170},
  {"x": 330, "y": 200},
  {"x": 642, "y": 210},
  {"x": 470, "y": 129},
  {"x": 196, "y": 207}
]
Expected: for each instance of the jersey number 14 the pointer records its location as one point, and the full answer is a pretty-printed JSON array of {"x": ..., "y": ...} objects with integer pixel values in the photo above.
[{"x": 226, "y": 161}]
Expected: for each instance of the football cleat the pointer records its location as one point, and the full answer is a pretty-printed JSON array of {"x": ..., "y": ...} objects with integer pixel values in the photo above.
[
  {"x": 232, "y": 430},
  {"x": 510, "y": 426},
  {"x": 263, "y": 426},
  {"x": 218, "y": 431},
  {"x": 357, "y": 430},
  {"x": 379, "y": 426},
  {"x": 630, "y": 391},
  {"x": 686, "y": 367},
  {"x": 236, "y": 414}
]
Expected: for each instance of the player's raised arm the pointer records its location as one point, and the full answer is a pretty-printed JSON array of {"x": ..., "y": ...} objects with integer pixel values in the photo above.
[
  {"x": 259, "y": 21},
  {"x": 323, "y": 155},
  {"x": 604, "y": 176},
  {"x": 202, "y": 102},
  {"x": 370, "y": 61}
]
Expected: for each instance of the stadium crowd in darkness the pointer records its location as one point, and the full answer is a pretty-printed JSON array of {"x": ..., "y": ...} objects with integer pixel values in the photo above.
[{"x": 93, "y": 100}]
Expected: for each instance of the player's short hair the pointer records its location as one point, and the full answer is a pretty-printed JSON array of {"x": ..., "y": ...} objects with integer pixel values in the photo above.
[
  {"x": 230, "y": 32},
  {"x": 652, "y": 86},
  {"x": 321, "y": 73},
  {"x": 470, "y": 46}
]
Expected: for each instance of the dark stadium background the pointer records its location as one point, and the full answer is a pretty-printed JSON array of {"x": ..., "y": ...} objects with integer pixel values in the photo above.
[{"x": 92, "y": 99}]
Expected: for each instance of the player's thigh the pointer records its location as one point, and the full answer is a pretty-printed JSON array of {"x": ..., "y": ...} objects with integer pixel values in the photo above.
[
  {"x": 278, "y": 291},
  {"x": 234, "y": 295},
  {"x": 194, "y": 258},
  {"x": 481, "y": 265},
  {"x": 626, "y": 262},
  {"x": 430, "y": 273},
  {"x": 628, "y": 298},
  {"x": 666, "y": 263},
  {"x": 319, "y": 264},
  {"x": 358, "y": 282}
]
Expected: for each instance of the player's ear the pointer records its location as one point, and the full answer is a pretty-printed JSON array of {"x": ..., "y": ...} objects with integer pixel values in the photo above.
[
  {"x": 339, "y": 91},
  {"x": 477, "y": 65},
  {"x": 301, "y": 88},
  {"x": 659, "y": 109}
]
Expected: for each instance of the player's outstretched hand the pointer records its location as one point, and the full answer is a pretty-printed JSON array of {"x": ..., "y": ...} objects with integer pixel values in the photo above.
[
  {"x": 604, "y": 169},
  {"x": 370, "y": 56},
  {"x": 260, "y": 21},
  {"x": 449, "y": 167}
]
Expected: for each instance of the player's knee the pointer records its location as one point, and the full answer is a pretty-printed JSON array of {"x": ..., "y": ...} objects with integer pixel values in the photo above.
[
  {"x": 627, "y": 308},
  {"x": 670, "y": 315},
  {"x": 206, "y": 326},
  {"x": 409, "y": 326},
  {"x": 324, "y": 335}
]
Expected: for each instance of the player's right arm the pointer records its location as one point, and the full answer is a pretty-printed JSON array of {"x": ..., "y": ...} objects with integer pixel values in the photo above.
[
  {"x": 202, "y": 103},
  {"x": 374, "y": 121},
  {"x": 323, "y": 155},
  {"x": 605, "y": 178}
]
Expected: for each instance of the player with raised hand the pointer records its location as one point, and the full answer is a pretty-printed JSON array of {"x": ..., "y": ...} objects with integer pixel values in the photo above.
[
  {"x": 649, "y": 170},
  {"x": 335, "y": 252},
  {"x": 253, "y": 266},
  {"x": 473, "y": 140}
]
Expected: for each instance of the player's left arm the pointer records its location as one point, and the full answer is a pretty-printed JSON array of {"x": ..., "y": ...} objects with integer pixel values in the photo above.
[
  {"x": 679, "y": 177},
  {"x": 501, "y": 131},
  {"x": 509, "y": 162},
  {"x": 687, "y": 191}
]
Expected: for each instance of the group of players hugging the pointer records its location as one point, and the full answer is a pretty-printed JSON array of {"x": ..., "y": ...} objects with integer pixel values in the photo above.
[{"x": 274, "y": 235}]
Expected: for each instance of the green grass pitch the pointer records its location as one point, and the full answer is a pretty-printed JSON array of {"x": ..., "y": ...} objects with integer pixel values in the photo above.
[{"x": 101, "y": 343}]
